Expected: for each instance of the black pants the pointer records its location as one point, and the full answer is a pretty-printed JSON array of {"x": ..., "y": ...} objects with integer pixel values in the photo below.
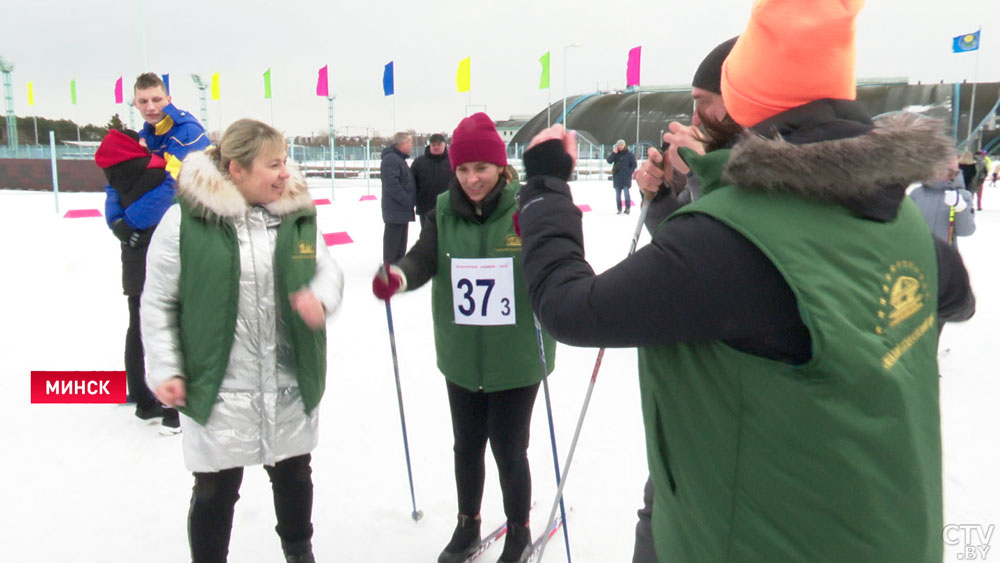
[
  {"x": 504, "y": 419},
  {"x": 135, "y": 369},
  {"x": 394, "y": 241},
  {"x": 645, "y": 551},
  {"x": 213, "y": 500}
]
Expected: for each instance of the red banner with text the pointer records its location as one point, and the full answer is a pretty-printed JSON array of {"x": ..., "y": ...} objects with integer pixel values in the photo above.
[{"x": 77, "y": 387}]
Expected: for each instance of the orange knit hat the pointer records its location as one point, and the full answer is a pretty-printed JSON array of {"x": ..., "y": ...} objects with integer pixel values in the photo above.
[{"x": 792, "y": 52}]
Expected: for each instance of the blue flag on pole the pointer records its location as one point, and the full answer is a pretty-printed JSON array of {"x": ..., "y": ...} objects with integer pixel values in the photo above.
[
  {"x": 166, "y": 82},
  {"x": 966, "y": 42},
  {"x": 388, "y": 86}
]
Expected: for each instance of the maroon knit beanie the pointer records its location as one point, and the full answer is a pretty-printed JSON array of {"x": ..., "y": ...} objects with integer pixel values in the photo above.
[{"x": 476, "y": 140}]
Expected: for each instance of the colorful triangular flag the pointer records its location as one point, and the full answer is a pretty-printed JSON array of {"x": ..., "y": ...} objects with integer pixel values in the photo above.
[
  {"x": 388, "y": 81},
  {"x": 463, "y": 78},
  {"x": 119, "y": 93},
  {"x": 632, "y": 69},
  {"x": 323, "y": 83},
  {"x": 267, "y": 84},
  {"x": 543, "y": 82},
  {"x": 216, "y": 89}
]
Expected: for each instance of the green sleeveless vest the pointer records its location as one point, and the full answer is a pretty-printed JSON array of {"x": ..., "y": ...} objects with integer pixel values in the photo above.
[
  {"x": 485, "y": 358},
  {"x": 838, "y": 459},
  {"x": 209, "y": 292}
]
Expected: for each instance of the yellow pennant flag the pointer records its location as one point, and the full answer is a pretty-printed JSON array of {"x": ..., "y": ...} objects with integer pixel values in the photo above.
[
  {"x": 215, "y": 87},
  {"x": 31, "y": 93},
  {"x": 463, "y": 78}
]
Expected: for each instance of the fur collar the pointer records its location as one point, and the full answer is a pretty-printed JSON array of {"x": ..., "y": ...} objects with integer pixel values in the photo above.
[
  {"x": 203, "y": 186},
  {"x": 901, "y": 149}
]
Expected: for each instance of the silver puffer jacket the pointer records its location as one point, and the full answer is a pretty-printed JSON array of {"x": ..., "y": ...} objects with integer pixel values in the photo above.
[{"x": 259, "y": 417}]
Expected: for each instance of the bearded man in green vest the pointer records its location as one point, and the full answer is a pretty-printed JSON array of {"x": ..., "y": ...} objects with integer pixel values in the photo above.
[{"x": 788, "y": 332}]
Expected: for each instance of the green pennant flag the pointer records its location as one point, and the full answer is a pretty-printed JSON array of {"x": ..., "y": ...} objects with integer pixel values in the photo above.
[
  {"x": 267, "y": 84},
  {"x": 543, "y": 83},
  {"x": 72, "y": 91}
]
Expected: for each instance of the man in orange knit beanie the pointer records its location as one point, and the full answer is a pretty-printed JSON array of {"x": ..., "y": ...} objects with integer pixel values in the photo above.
[{"x": 787, "y": 333}]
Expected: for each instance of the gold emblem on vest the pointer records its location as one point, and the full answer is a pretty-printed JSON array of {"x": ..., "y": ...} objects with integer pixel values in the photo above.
[
  {"x": 905, "y": 299},
  {"x": 304, "y": 250},
  {"x": 904, "y": 293},
  {"x": 511, "y": 243}
]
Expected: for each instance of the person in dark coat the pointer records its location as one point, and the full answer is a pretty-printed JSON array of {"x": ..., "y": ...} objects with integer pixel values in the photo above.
[
  {"x": 788, "y": 320},
  {"x": 431, "y": 173},
  {"x": 138, "y": 193},
  {"x": 398, "y": 197},
  {"x": 623, "y": 165}
]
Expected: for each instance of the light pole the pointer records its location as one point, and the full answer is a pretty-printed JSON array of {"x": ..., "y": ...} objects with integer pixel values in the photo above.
[{"x": 565, "y": 51}]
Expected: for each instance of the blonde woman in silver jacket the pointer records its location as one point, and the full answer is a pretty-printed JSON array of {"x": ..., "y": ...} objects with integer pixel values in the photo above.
[{"x": 239, "y": 285}]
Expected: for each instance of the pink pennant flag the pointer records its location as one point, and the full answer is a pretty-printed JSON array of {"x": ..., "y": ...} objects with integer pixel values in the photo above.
[
  {"x": 632, "y": 71},
  {"x": 79, "y": 213},
  {"x": 322, "y": 83},
  {"x": 337, "y": 238},
  {"x": 119, "y": 94}
]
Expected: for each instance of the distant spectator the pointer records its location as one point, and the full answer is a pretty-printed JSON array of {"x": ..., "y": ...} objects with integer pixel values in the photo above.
[
  {"x": 623, "y": 164},
  {"x": 431, "y": 174},
  {"x": 398, "y": 197},
  {"x": 982, "y": 170},
  {"x": 946, "y": 205}
]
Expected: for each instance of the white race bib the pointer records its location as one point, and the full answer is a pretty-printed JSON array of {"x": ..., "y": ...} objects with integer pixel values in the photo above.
[{"x": 483, "y": 291}]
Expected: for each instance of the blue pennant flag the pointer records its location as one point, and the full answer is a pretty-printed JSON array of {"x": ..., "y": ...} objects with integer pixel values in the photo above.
[
  {"x": 388, "y": 86},
  {"x": 166, "y": 82},
  {"x": 966, "y": 42}
]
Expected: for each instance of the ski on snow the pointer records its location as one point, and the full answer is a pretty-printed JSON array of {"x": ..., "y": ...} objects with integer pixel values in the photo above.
[{"x": 536, "y": 546}]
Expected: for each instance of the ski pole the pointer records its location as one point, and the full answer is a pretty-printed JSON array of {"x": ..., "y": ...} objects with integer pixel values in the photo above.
[
  {"x": 416, "y": 514},
  {"x": 586, "y": 400},
  {"x": 552, "y": 434}
]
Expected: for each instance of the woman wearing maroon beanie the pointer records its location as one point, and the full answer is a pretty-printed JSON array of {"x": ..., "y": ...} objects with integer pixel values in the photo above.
[{"x": 483, "y": 330}]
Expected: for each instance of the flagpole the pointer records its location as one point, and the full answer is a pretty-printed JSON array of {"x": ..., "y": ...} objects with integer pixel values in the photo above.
[
  {"x": 638, "y": 96},
  {"x": 333, "y": 148},
  {"x": 972, "y": 102},
  {"x": 548, "y": 108},
  {"x": 272, "y": 111},
  {"x": 394, "y": 112}
]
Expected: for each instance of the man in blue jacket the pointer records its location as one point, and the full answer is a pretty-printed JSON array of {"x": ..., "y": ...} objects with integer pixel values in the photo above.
[{"x": 170, "y": 134}]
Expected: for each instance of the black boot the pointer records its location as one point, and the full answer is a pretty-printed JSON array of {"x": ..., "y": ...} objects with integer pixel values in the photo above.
[
  {"x": 517, "y": 546},
  {"x": 464, "y": 541},
  {"x": 298, "y": 552}
]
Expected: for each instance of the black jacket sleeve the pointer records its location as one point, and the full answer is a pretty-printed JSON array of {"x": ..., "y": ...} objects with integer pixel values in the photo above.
[
  {"x": 684, "y": 279},
  {"x": 420, "y": 262},
  {"x": 956, "y": 302}
]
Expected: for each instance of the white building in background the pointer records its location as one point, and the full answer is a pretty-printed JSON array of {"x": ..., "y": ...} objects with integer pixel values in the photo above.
[{"x": 509, "y": 127}]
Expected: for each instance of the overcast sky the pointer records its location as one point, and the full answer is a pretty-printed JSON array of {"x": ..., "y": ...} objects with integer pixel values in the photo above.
[{"x": 51, "y": 42}]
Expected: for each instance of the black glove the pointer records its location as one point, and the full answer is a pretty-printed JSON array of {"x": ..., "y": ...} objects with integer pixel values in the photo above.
[
  {"x": 126, "y": 234},
  {"x": 548, "y": 159}
]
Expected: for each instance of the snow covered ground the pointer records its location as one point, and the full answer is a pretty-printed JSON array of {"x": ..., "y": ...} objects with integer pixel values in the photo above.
[{"x": 91, "y": 483}]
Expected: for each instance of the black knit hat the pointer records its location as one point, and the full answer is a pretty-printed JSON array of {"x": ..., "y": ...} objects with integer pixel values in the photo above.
[{"x": 709, "y": 73}]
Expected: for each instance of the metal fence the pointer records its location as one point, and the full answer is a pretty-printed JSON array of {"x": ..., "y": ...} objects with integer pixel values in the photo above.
[{"x": 349, "y": 161}]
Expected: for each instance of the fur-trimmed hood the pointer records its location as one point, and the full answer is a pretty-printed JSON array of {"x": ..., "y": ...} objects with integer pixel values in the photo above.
[
  {"x": 203, "y": 186},
  {"x": 900, "y": 149}
]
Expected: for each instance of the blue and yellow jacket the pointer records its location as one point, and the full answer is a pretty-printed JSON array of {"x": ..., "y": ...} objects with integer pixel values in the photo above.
[{"x": 177, "y": 134}]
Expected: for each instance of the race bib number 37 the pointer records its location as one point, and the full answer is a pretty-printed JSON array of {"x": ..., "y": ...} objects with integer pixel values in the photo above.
[{"x": 483, "y": 291}]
